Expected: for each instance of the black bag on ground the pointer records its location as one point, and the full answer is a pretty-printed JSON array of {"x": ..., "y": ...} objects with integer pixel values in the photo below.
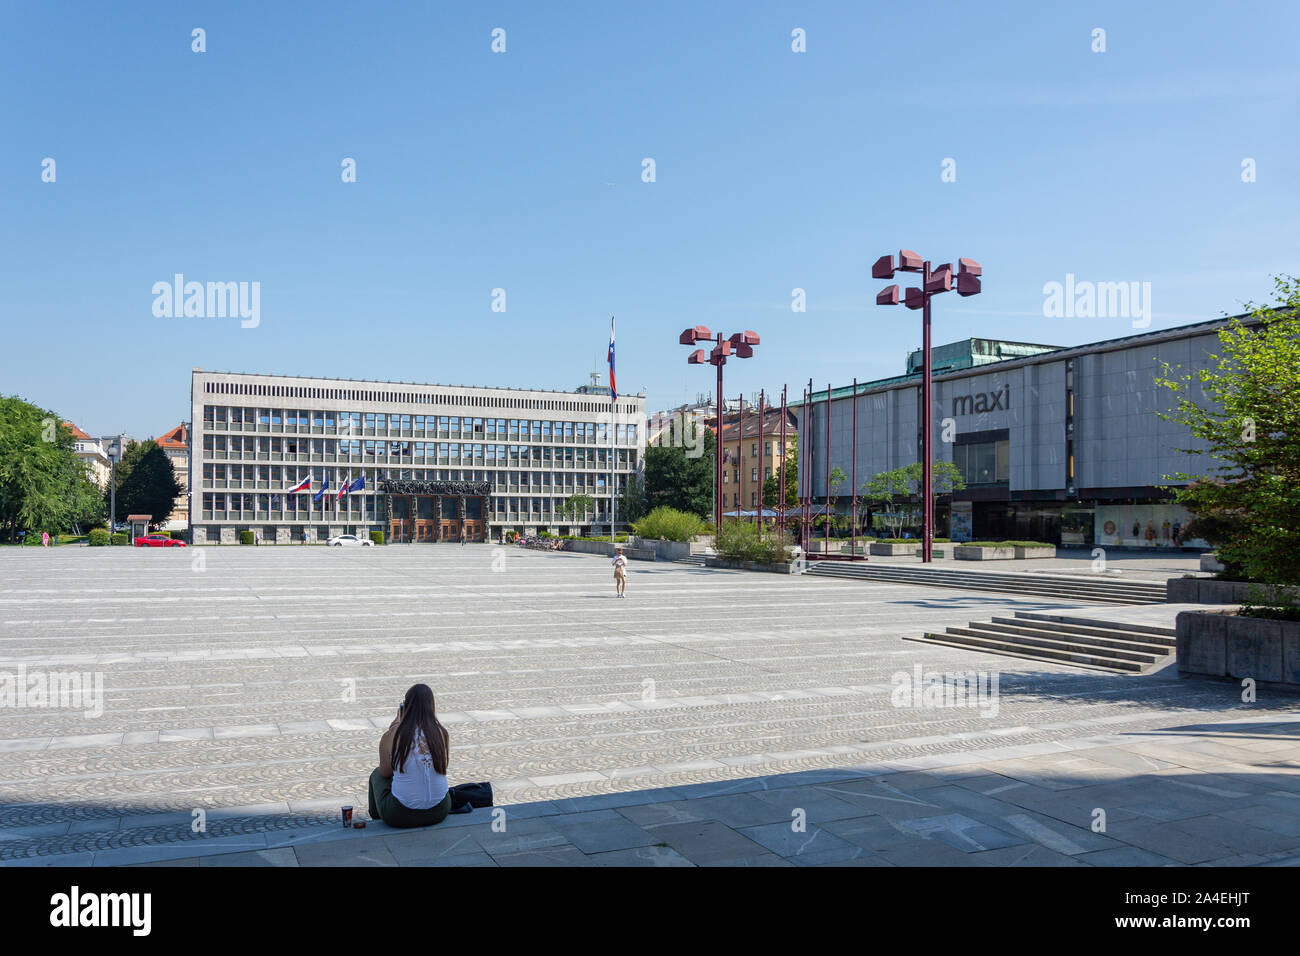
[{"x": 466, "y": 796}]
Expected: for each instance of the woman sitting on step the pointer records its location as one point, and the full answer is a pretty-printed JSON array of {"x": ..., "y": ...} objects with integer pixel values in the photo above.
[{"x": 409, "y": 788}]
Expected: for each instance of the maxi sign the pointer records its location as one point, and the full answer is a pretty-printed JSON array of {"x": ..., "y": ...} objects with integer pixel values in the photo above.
[{"x": 982, "y": 402}]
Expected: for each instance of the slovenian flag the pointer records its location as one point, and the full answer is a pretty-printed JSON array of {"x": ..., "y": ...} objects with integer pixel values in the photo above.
[
  {"x": 304, "y": 485},
  {"x": 343, "y": 488},
  {"x": 324, "y": 486},
  {"x": 613, "y": 389}
]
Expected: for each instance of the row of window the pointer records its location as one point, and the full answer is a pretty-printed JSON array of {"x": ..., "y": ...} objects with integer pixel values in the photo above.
[
  {"x": 289, "y": 475},
  {"x": 223, "y": 504},
  {"x": 732, "y": 476},
  {"x": 250, "y": 446},
  {"x": 770, "y": 449},
  {"x": 216, "y": 417},
  {"x": 406, "y": 398}
]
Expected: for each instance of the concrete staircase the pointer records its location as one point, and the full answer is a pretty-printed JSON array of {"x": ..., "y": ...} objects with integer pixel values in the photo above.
[
  {"x": 1070, "y": 588},
  {"x": 1065, "y": 638}
]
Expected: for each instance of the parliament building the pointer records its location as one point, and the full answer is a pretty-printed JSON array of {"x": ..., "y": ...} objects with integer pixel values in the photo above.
[{"x": 421, "y": 463}]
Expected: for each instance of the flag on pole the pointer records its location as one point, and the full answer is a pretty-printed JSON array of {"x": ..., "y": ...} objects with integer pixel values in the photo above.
[
  {"x": 613, "y": 389},
  {"x": 358, "y": 485},
  {"x": 304, "y": 485},
  {"x": 343, "y": 488},
  {"x": 324, "y": 486}
]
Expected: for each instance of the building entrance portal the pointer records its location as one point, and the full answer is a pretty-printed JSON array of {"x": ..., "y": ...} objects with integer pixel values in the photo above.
[{"x": 428, "y": 511}]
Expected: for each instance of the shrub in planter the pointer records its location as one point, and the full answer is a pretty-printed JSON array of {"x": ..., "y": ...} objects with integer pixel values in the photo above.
[
  {"x": 669, "y": 524},
  {"x": 246, "y": 537},
  {"x": 99, "y": 538},
  {"x": 739, "y": 541},
  {"x": 377, "y": 537},
  {"x": 119, "y": 537}
]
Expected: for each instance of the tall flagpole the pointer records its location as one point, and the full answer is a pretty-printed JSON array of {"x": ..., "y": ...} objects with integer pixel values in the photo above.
[{"x": 613, "y": 498}]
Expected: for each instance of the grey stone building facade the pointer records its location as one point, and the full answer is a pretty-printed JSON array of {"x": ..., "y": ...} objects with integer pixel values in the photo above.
[
  {"x": 436, "y": 462},
  {"x": 1056, "y": 444}
]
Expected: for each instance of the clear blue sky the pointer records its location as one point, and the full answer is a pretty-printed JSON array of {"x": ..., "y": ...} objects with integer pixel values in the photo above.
[{"x": 522, "y": 170}]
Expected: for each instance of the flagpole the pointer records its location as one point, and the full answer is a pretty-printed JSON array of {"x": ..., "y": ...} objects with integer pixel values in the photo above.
[{"x": 613, "y": 500}]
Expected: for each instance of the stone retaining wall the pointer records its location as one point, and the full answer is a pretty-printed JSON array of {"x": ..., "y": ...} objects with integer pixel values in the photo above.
[
  {"x": 1208, "y": 591},
  {"x": 1221, "y": 643}
]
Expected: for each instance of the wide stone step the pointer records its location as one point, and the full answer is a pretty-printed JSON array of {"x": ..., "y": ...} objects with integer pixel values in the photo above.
[
  {"x": 1111, "y": 592},
  {"x": 937, "y": 577},
  {"x": 1005, "y": 649},
  {"x": 1027, "y": 638},
  {"x": 1096, "y": 635},
  {"x": 1075, "y": 619},
  {"x": 1066, "y": 594}
]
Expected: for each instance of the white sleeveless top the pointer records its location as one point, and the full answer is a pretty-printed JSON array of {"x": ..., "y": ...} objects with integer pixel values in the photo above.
[{"x": 416, "y": 785}]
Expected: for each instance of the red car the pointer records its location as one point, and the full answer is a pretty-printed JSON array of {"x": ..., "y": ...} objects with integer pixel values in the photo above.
[{"x": 158, "y": 541}]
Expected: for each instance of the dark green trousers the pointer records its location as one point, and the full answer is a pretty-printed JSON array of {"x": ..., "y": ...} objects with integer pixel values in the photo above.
[{"x": 384, "y": 806}]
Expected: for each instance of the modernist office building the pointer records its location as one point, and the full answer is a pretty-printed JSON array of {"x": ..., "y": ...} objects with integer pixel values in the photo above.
[
  {"x": 438, "y": 462},
  {"x": 1056, "y": 444}
]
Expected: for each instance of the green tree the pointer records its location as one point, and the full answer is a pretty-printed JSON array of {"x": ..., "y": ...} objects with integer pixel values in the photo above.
[
  {"x": 1243, "y": 409},
  {"x": 890, "y": 486},
  {"x": 772, "y": 486},
  {"x": 677, "y": 477},
  {"x": 631, "y": 505},
  {"x": 577, "y": 507},
  {"x": 150, "y": 487},
  {"x": 43, "y": 484}
]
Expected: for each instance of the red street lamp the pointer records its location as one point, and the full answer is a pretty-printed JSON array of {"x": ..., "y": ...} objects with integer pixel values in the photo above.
[
  {"x": 741, "y": 345},
  {"x": 933, "y": 282}
]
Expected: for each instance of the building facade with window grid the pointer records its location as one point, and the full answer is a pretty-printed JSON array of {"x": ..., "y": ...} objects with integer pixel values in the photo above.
[{"x": 515, "y": 457}]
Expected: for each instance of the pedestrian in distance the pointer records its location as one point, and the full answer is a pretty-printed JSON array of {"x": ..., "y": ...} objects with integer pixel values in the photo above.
[
  {"x": 620, "y": 572},
  {"x": 45, "y": 539}
]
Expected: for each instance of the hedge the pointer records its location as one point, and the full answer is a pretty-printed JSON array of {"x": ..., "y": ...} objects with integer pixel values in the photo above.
[
  {"x": 669, "y": 524},
  {"x": 739, "y": 541},
  {"x": 246, "y": 537},
  {"x": 1004, "y": 544},
  {"x": 377, "y": 537},
  {"x": 916, "y": 541},
  {"x": 119, "y": 537},
  {"x": 99, "y": 538}
]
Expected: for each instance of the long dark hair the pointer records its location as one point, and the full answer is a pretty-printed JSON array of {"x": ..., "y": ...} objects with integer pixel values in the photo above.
[{"x": 418, "y": 716}]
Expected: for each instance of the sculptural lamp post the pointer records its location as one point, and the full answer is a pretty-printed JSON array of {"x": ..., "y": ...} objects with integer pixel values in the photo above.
[
  {"x": 932, "y": 283},
  {"x": 741, "y": 345}
]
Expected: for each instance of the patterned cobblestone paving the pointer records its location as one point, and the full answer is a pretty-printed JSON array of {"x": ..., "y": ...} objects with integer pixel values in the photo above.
[{"x": 252, "y": 684}]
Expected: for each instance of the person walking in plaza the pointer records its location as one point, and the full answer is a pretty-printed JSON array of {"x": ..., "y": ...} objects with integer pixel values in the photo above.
[
  {"x": 620, "y": 572},
  {"x": 409, "y": 787},
  {"x": 45, "y": 539}
]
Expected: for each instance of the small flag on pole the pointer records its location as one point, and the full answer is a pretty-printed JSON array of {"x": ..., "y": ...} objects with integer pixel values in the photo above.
[
  {"x": 304, "y": 485},
  {"x": 613, "y": 389},
  {"x": 343, "y": 488},
  {"x": 324, "y": 486}
]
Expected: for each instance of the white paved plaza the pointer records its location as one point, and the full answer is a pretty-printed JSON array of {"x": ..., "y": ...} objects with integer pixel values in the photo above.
[{"x": 253, "y": 684}]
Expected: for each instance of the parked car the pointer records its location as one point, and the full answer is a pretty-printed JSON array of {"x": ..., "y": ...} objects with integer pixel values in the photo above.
[
  {"x": 158, "y": 541},
  {"x": 349, "y": 541}
]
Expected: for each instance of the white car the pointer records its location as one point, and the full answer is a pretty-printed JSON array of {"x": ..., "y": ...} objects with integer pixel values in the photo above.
[{"x": 349, "y": 540}]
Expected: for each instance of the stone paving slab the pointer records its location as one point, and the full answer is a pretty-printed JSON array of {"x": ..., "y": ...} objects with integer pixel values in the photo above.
[
  {"x": 975, "y": 814},
  {"x": 254, "y": 689}
]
